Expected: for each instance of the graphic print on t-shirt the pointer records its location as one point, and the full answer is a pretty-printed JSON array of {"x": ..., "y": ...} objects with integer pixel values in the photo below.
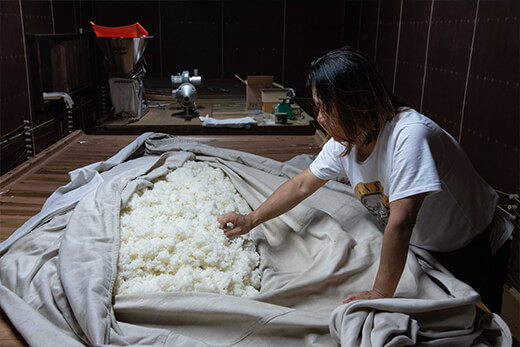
[{"x": 372, "y": 196}]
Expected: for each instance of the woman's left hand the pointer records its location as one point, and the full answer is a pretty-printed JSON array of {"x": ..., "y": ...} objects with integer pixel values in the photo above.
[{"x": 367, "y": 295}]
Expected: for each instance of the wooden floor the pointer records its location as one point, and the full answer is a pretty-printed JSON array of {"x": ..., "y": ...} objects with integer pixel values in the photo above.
[{"x": 24, "y": 189}]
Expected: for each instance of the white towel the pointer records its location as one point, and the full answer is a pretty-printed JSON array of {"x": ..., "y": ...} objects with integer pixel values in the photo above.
[
  {"x": 207, "y": 121},
  {"x": 66, "y": 98}
]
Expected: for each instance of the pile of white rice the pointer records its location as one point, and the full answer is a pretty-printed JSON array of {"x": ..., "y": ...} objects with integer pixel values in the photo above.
[{"x": 171, "y": 240}]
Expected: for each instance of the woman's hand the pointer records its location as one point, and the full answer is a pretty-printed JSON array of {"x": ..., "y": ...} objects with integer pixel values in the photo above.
[
  {"x": 367, "y": 295},
  {"x": 241, "y": 224}
]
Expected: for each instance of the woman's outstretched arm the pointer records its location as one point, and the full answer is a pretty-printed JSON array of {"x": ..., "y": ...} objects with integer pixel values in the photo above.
[{"x": 287, "y": 196}]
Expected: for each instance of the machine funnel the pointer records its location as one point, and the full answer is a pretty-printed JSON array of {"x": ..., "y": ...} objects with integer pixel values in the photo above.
[{"x": 124, "y": 55}]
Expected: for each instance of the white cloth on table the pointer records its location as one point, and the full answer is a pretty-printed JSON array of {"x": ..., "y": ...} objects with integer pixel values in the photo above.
[{"x": 242, "y": 122}]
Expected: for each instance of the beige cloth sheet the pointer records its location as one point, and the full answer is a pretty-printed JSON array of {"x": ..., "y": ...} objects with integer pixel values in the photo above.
[{"x": 57, "y": 271}]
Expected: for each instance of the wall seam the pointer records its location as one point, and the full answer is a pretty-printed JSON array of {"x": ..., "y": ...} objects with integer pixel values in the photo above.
[
  {"x": 426, "y": 56},
  {"x": 359, "y": 25},
  {"x": 377, "y": 28},
  {"x": 283, "y": 40},
  {"x": 52, "y": 18},
  {"x": 344, "y": 13},
  {"x": 75, "y": 16},
  {"x": 81, "y": 17},
  {"x": 31, "y": 121},
  {"x": 397, "y": 46},
  {"x": 468, "y": 72}
]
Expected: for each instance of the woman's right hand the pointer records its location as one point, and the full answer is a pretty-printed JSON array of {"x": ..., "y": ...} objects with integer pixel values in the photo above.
[{"x": 241, "y": 224}]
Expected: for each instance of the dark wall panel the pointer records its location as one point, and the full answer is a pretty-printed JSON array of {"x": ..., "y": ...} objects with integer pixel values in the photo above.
[
  {"x": 12, "y": 154},
  {"x": 48, "y": 134},
  {"x": 26, "y": 130},
  {"x": 191, "y": 37},
  {"x": 86, "y": 12},
  {"x": 312, "y": 29},
  {"x": 352, "y": 22},
  {"x": 480, "y": 109},
  {"x": 253, "y": 38},
  {"x": 368, "y": 27},
  {"x": 65, "y": 17},
  {"x": 37, "y": 17},
  {"x": 492, "y": 113},
  {"x": 448, "y": 58},
  {"x": 387, "y": 39},
  {"x": 412, "y": 51},
  {"x": 14, "y": 97}
]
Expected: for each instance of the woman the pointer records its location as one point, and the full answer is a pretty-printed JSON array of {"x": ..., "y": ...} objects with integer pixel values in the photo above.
[{"x": 408, "y": 172}]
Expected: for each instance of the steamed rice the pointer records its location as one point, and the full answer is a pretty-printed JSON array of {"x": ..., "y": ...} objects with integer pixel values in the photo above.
[{"x": 171, "y": 241}]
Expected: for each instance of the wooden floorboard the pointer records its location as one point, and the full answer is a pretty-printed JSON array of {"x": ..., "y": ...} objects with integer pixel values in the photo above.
[{"x": 23, "y": 190}]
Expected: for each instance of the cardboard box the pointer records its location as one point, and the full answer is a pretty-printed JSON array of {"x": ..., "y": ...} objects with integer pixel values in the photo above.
[
  {"x": 271, "y": 97},
  {"x": 254, "y": 86}
]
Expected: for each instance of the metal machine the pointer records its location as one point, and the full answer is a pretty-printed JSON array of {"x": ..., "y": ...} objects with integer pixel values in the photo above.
[
  {"x": 186, "y": 93},
  {"x": 126, "y": 67}
]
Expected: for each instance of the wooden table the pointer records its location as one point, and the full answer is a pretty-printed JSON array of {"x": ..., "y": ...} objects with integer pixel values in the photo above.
[
  {"x": 24, "y": 189},
  {"x": 163, "y": 119},
  {"x": 218, "y": 98}
]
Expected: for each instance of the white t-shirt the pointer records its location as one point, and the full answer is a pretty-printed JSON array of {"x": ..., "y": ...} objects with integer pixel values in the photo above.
[{"x": 413, "y": 155}]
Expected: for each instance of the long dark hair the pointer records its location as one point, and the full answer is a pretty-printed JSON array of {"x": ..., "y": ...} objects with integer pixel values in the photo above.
[{"x": 352, "y": 94}]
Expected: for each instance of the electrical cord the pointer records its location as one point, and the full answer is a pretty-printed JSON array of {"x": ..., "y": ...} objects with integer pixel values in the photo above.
[
  {"x": 16, "y": 162},
  {"x": 509, "y": 195},
  {"x": 13, "y": 131},
  {"x": 20, "y": 134},
  {"x": 510, "y": 209},
  {"x": 513, "y": 218},
  {"x": 11, "y": 138}
]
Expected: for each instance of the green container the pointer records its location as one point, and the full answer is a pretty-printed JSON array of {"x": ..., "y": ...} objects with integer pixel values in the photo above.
[{"x": 285, "y": 107}]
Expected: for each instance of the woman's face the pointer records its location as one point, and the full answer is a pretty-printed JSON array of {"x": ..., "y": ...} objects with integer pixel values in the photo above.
[
  {"x": 322, "y": 117},
  {"x": 328, "y": 119}
]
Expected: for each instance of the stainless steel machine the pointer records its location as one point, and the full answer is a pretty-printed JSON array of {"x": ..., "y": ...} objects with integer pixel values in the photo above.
[
  {"x": 186, "y": 93},
  {"x": 126, "y": 67}
]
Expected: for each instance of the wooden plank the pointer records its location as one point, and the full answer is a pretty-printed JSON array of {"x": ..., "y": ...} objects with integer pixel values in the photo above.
[
  {"x": 20, "y": 212},
  {"x": 22, "y": 170},
  {"x": 19, "y": 199}
]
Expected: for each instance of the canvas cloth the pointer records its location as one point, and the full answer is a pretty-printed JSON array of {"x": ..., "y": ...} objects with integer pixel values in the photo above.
[
  {"x": 243, "y": 122},
  {"x": 124, "y": 93},
  {"x": 57, "y": 271}
]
